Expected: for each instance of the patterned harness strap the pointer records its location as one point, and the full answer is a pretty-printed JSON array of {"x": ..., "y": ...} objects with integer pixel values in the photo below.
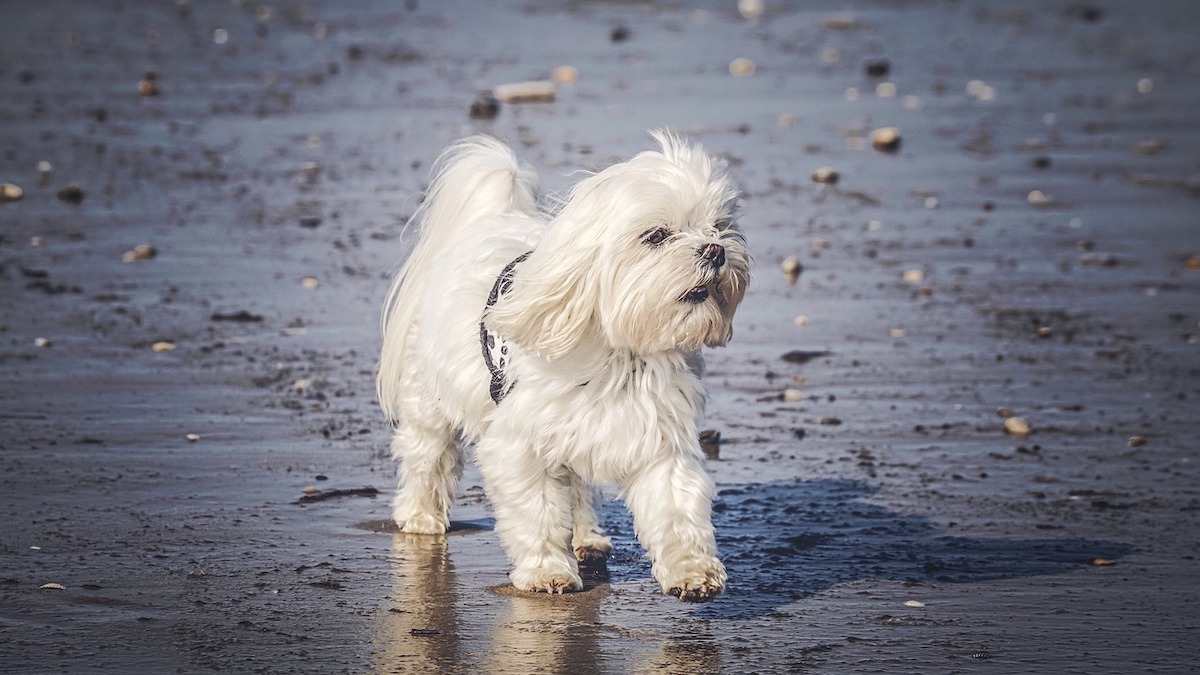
[{"x": 495, "y": 348}]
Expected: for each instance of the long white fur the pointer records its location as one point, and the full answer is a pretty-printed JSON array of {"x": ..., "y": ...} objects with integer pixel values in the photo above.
[{"x": 604, "y": 356}]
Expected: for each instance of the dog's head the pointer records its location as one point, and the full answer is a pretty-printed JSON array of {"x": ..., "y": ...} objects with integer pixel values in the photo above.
[{"x": 644, "y": 255}]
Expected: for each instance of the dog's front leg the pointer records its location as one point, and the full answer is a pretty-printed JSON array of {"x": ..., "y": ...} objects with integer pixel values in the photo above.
[
  {"x": 671, "y": 503},
  {"x": 532, "y": 505}
]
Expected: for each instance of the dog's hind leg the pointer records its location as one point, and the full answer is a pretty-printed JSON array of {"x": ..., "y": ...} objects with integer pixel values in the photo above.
[
  {"x": 431, "y": 463},
  {"x": 588, "y": 540}
]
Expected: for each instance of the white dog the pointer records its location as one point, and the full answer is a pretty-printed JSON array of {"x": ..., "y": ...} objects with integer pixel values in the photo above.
[{"x": 566, "y": 346}]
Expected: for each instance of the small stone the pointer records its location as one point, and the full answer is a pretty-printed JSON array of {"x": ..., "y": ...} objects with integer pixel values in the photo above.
[
  {"x": 1192, "y": 263},
  {"x": 619, "y": 33},
  {"x": 1044, "y": 331},
  {"x": 52, "y": 587},
  {"x": 538, "y": 91},
  {"x": 141, "y": 252},
  {"x": 1102, "y": 562},
  {"x": 751, "y": 10},
  {"x": 914, "y": 276},
  {"x": 741, "y": 67},
  {"x": 192, "y": 438},
  {"x": 485, "y": 107},
  {"x": 877, "y": 67},
  {"x": 791, "y": 267},
  {"x": 310, "y": 490},
  {"x": 310, "y": 283},
  {"x": 1015, "y": 426},
  {"x": 799, "y": 379},
  {"x": 914, "y": 603},
  {"x": 71, "y": 193},
  {"x": 1005, "y": 412},
  {"x": 800, "y": 320},
  {"x": 826, "y": 174},
  {"x": 886, "y": 139},
  {"x": 1137, "y": 441},
  {"x": 310, "y": 222},
  {"x": 829, "y": 421},
  {"x": 793, "y": 395},
  {"x": 565, "y": 75},
  {"x": 10, "y": 192},
  {"x": 1039, "y": 198},
  {"x": 147, "y": 87},
  {"x": 163, "y": 346},
  {"x": 886, "y": 90},
  {"x": 43, "y": 343}
]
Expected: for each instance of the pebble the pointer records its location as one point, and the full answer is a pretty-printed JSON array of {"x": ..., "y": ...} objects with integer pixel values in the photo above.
[
  {"x": 302, "y": 384},
  {"x": 310, "y": 283},
  {"x": 1005, "y": 412},
  {"x": 1039, "y": 198},
  {"x": 42, "y": 342},
  {"x": 10, "y": 192},
  {"x": 829, "y": 421},
  {"x": 1137, "y": 441},
  {"x": 800, "y": 320},
  {"x": 163, "y": 346},
  {"x": 310, "y": 490},
  {"x": 565, "y": 75},
  {"x": 914, "y": 603},
  {"x": 1102, "y": 562},
  {"x": 537, "y": 91},
  {"x": 141, "y": 252},
  {"x": 485, "y": 107},
  {"x": 1192, "y": 263},
  {"x": 1045, "y": 331},
  {"x": 52, "y": 587},
  {"x": 192, "y": 438},
  {"x": 741, "y": 67},
  {"x": 147, "y": 87},
  {"x": 827, "y": 175},
  {"x": 793, "y": 395},
  {"x": 751, "y": 9},
  {"x": 886, "y": 139},
  {"x": 1015, "y": 426},
  {"x": 886, "y": 90},
  {"x": 877, "y": 67},
  {"x": 71, "y": 193},
  {"x": 914, "y": 276},
  {"x": 791, "y": 267}
]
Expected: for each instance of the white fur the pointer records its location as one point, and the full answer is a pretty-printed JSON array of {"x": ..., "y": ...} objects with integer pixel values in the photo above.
[{"x": 603, "y": 355}]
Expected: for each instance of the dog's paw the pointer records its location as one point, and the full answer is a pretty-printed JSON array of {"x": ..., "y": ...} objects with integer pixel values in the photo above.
[
  {"x": 593, "y": 550},
  {"x": 422, "y": 523},
  {"x": 700, "y": 581},
  {"x": 543, "y": 580}
]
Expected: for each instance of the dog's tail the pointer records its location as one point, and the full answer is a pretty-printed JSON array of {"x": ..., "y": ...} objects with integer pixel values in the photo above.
[{"x": 475, "y": 179}]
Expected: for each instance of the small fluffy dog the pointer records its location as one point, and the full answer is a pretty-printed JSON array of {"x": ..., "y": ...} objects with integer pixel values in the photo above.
[{"x": 566, "y": 345}]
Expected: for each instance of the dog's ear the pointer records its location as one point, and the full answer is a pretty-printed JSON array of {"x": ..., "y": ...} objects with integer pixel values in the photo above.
[{"x": 547, "y": 308}]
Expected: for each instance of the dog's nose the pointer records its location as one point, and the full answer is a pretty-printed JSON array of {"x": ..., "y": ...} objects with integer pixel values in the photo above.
[{"x": 713, "y": 253}]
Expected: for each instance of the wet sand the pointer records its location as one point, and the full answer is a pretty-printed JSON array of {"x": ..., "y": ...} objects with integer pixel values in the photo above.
[{"x": 1030, "y": 246}]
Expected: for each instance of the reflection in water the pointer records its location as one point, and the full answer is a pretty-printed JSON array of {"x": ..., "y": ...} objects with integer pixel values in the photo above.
[{"x": 435, "y": 624}]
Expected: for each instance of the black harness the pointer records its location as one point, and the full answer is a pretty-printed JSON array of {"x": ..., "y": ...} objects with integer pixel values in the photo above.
[{"x": 495, "y": 348}]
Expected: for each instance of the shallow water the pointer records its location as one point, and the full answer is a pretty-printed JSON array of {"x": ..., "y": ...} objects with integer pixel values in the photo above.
[{"x": 297, "y": 147}]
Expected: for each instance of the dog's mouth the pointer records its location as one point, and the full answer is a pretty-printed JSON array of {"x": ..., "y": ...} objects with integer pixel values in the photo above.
[{"x": 695, "y": 295}]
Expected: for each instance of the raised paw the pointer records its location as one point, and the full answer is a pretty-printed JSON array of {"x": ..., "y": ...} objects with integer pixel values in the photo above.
[{"x": 699, "y": 582}]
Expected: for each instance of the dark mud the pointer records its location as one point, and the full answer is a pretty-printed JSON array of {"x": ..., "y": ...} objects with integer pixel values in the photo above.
[{"x": 188, "y": 336}]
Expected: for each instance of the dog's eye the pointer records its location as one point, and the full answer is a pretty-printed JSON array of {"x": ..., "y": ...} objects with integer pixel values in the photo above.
[{"x": 656, "y": 236}]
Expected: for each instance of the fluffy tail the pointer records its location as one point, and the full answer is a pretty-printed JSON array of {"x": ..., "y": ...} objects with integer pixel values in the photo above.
[{"x": 474, "y": 179}]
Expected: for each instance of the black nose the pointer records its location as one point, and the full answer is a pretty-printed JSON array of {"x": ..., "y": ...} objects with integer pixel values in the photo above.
[{"x": 713, "y": 253}]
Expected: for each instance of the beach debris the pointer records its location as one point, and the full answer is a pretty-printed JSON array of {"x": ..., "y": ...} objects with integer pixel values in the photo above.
[
  {"x": 564, "y": 75},
  {"x": 302, "y": 384},
  {"x": 1016, "y": 426},
  {"x": 163, "y": 346},
  {"x": 10, "y": 192},
  {"x": 310, "y": 222},
  {"x": 877, "y": 68},
  {"x": 140, "y": 252},
  {"x": 1102, "y": 562},
  {"x": 829, "y": 421},
  {"x": 793, "y": 395},
  {"x": 1137, "y": 441},
  {"x": 71, "y": 193},
  {"x": 741, "y": 67},
  {"x": 484, "y": 107},
  {"x": 310, "y": 283},
  {"x": 827, "y": 175},
  {"x": 913, "y": 276},
  {"x": 886, "y": 139},
  {"x": 710, "y": 443},
  {"x": 619, "y": 33},
  {"x": 791, "y": 268},
  {"x": 801, "y": 356},
  {"x": 42, "y": 343},
  {"x": 52, "y": 587},
  {"x": 240, "y": 316},
  {"x": 312, "y": 494},
  {"x": 981, "y": 90},
  {"x": 191, "y": 438},
  {"x": 1044, "y": 331},
  {"x": 914, "y": 603},
  {"x": 536, "y": 91}
]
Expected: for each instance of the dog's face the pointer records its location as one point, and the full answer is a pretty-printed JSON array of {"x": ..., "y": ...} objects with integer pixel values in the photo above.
[{"x": 644, "y": 255}]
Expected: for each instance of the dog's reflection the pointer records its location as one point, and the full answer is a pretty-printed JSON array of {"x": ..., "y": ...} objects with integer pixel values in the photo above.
[{"x": 436, "y": 624}]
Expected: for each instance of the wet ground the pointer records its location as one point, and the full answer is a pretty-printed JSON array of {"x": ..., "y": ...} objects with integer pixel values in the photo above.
[{"x": 1030, "y": 246}]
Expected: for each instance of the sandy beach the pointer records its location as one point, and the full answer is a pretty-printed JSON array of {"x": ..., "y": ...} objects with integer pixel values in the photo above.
[{"x": 209, "y": 198}]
